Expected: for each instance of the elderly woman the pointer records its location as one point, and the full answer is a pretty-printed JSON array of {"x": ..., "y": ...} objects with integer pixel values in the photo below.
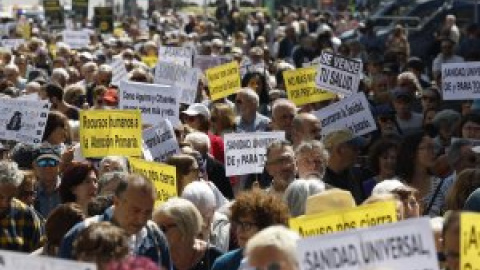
[
  {"x": 181, "y": 222},
  {"x": 297, "y": 193},
  {"x": 112, "y": 164},
  {"x": 252, "y": 212},
  {"x": 312, "y": 159}
]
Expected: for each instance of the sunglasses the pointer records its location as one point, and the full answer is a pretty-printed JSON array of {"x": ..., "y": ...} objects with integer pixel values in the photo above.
[{"x": 47, "y": 162}]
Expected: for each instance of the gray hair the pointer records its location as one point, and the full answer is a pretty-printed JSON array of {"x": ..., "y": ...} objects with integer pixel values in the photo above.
[
  {"x": 201, "y": 195},
  {"x": 199, "y": 141},
  {"x": 455, "y": 150},
  {"x": 297, "y": 193},
  {"x": 185, "y": 215},
  {"x": 10, "y": 174},
  {"x": 408, "y": 75},
  {"x": 110, "y": 177},
  {"x": 282, "y": 102},
  {"x": 313, "y": 145},
  {"x": 250, "y": 94},
  {"x": 60, "y": 72},
  {"x": 119, "y": 159}
]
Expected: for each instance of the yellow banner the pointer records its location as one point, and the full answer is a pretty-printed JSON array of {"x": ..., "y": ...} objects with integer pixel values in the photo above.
[
  {"x": 335, "y": 221},
  {"x": 111, "y": 132},
  {"x": 163, "y": 176},
  {"x": 223, "y": 80},
  {"x": 469, "y": 241},
  {"x": 301, "y": 89}
]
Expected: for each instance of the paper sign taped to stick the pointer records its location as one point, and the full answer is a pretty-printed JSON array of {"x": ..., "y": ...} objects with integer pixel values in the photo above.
[
  {"x": 76, "y": 39},
  {"x": 223, "y": 80},
  {"x": 469, "y": 241},
  {"x": 245, "y": 153},
  {"x": 119, "y": 72},
  {"x": 111, "y": 133},
  {"x": 15, "y": 261},
  {"x": 184, "y": 78},
  {"x": 176, "y": 55},
  {"x": 460, "y": 81},
  {"x": 301, "y": 88},
  {"x": 338, "y": 74},
  {"x": 23, "y": 120},
  {"x": 163, "y": 176},
  {"x": 335, "y": 221},
  {"x": 391, "y": 246},
  {"x": 155, "y": 102},
  {"x": 160, "y": 141},
  {"x": 352, "y": 112}
]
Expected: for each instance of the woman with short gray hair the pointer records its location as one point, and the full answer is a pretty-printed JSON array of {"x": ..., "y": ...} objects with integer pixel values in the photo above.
[{"x": 297, "y": 193}]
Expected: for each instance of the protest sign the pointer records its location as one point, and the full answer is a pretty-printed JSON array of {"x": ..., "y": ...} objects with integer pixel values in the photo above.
[
  {"x": 160, "y": 141},
  {"x": 176, "y": 55},
  {"x": 338, "y": 74},
  {"x": 110, "y": 133},
  {"x": 358, "y": 217},
  {"x": 223, "y": 80},
  {"x": 301, "y": 88},
  {"x": 15, "y": 261},
  {"x": 23, "y": 120},
  {"x": 80, "y": 8},
  {"x": 391, "y": 246},
  {"x": 469, "y": 241},
  {"x": 204, "y": 62},
  {"x": 245, "y": 153},
  {"x": 460, "y": 81},
  {"x": 183, "y": 78},
  {"x": 352, "y": 112},
  {"x": 103, "y": 19},
  {"x": 247, "y": 66},
  {"x": 53, "y": 13},
  {"x": 12, "y": 43},
  {"x": 163, "y": 176},
  {"x": 76, "y": 39},
  {"x": 119, "y": 72},
  {"x": 155, "y": 101}
]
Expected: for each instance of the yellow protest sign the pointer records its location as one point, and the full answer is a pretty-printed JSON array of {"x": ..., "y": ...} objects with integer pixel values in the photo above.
[
  {"x": 150, "y": 61},
  {"x": 301, "y": 89},
  {"x": 163, "y": 176},
  {"x": 223, "y": 80},
  {"x": 469, "y": 241},
  {"x": 358, "y": 217},
  {"x": 110, "y": 132}
]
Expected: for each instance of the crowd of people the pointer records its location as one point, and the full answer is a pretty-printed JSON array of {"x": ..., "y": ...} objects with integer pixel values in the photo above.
[{"x": 424, "y": 154}]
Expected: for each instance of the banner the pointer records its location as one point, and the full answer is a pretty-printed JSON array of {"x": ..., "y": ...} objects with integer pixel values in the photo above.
[
  {"x": 11, "y": 44},
  {"x": 223, "y": 80},
  {"x": 352, "y": 112},
  {"x": 176, "y": 55},
  {"x": 76, "y": 39},
  {"x": 184, "y": 78},
  {"x": 103, "y": 19},
  {"x": 163, "y": 176},
  {"x": 204, "y": 62},
  {"x": 469, "y": 241},
  {"x": 404, "y": 245},
  {"x": 23, "y": 120},
  {"x": 155, "y": 102},
  {"x": 15, "y": 261},
  {"x": 110, "y": 133},
  {"x": 335, "y": 221},
  {"x": 460, "y": 81},
  {"x": 119, "y": 72},
  {"x": 245, "y": 153},
  {"x": 53, "y": 13},
  {"x": 301, "y": 89},
  {"x": 338, "y": 74},
  {"x": 160, "y": 142},
  {"x": 80, "y": 8}
]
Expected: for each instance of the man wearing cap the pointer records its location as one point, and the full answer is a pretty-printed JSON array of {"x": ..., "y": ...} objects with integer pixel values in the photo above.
[
  {"x": 343, "y": 147},
  {"x": 408, "y": 120},
  {"x": 46, "y": 167}
]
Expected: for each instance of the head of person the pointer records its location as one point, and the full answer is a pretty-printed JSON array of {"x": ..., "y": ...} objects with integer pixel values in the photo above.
[
  {"x": 202, "y": 196},
  {"x": 199, "y": 141},
  {"x": 59, "y": 222},
  {"x": 465, "y": 184},
  {"x": 26, "y": 191},
  {"x": 179, "y": 220},
  {"x": 255, "y": 210},
  {"x": 305, "y": 127},
  {"x": 430, "y": 98},
  {"x": 385, "y": 117},
  {"x": 79, "y": 184},
  {"x": 447, "y": 47},
  {"x": 382, "y": 157},
  {"x": 402, "y": 100},
  {"x": 311, "y": 158},
  {"x": 54, "y": 92},
  {"x": 107, "y": 182},
  {"x": 223, "y": 118},
  {"x": 60, "y": 76},
  {"x": 11, "y": 73},
  {"x": 409, "y": 81},
  {"x": 343, "y": 147},
  {"x": 283, "y": 113},
  {"x": 101, "y": 243},
  {"x": 187, "y": 169},
  {"x": 417, "y": 151},
  {"x": 247, "y": 102},
  {"x": 461, "y": 155},
  {"x": 280, "y": 164},
  {"x": 103, "y": 75},
  {"x": 133, "y": 201},
  {"x": 10, "y": 178},
  {"x": 447, "y": 122},
  {"x": 112, "y": 164},
  {"x": 258, "y": 82},
  {"x": 273, "y": 248},
  {"x": 75, "y": 95},
  {"x": 451, "y": 240},
  {"x": 404, "y": 193},
  {"x": 197, "y": 116},
  {"x": 470, "y": 126},
  {"x": 88, "y": 72},
  {"x": 46, "y": 165},
  {"x": 57, "y": 130},
  {"x": 32, "y": 88},
  {"x": 297, "y": 193}
]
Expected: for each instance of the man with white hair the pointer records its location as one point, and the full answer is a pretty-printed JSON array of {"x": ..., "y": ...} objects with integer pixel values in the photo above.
[
  {"x": 60, "y": 76},
  {"x": 12, "y": 74},
  {"x": 249, "y": 119},
  {"x": 283, "y": 113},
  {"x": 22, "y": 229}
]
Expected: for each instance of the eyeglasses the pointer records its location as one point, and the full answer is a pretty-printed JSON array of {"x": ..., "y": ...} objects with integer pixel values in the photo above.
[
  {"x": 47, "y": 162},
  {"x": 245, "y": 226},
  {"x": 166, "y": 228}
]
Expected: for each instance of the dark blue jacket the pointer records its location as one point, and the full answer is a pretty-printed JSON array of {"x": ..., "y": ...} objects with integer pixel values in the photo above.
[{"x": 230, "y": 260}]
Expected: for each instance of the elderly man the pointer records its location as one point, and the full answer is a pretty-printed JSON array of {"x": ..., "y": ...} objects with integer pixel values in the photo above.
[
  {"x": 312, "y": 159},
  {"x": 249, "y": 119},
  {"x": 283, "y": 113},
  {"x": 305, "y": 127},
  {"x": 22, "y": 229},
  {"x": 46, "y": 167},
  {"x": 133, "y": 206},
  {"x": 12, "y": 74},
  {"x": 280, "y": 165}
]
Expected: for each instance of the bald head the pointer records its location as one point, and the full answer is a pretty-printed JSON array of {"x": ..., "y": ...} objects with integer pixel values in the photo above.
[{"x": 305, "y": 127}]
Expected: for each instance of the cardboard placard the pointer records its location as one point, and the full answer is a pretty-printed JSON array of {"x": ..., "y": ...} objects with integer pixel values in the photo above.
[
  {"x": 460, "y": 81},
  {"x": 160, "y": 142},
  {"x": 223, "y": 80},
  {"x": 301, "y": 88}
]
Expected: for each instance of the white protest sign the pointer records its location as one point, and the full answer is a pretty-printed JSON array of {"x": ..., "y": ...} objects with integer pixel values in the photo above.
[
  {"x": 247, "y": 66},
  {"x": 461, "y": 81},
  {"x": 184, "y": 78},
  {"x": 23, "y": 120},
  {"x": 119, "y": 72},
  {"x": 245, "y": 153},
  {"x": 156, "y": 102},
  {"x": 160, "y": 141},
  {"x": 11, "y": 44},
  {"x": 15, "y": 261},
  {"x": 352, "y": 112},
  {"x": 338, "y": 74},
  {"x": 176, "y": 55},
  {"x": 76, "y": 39},
  {"x": 204, "y": 62},
  {"x": 392, "y": 246}
]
